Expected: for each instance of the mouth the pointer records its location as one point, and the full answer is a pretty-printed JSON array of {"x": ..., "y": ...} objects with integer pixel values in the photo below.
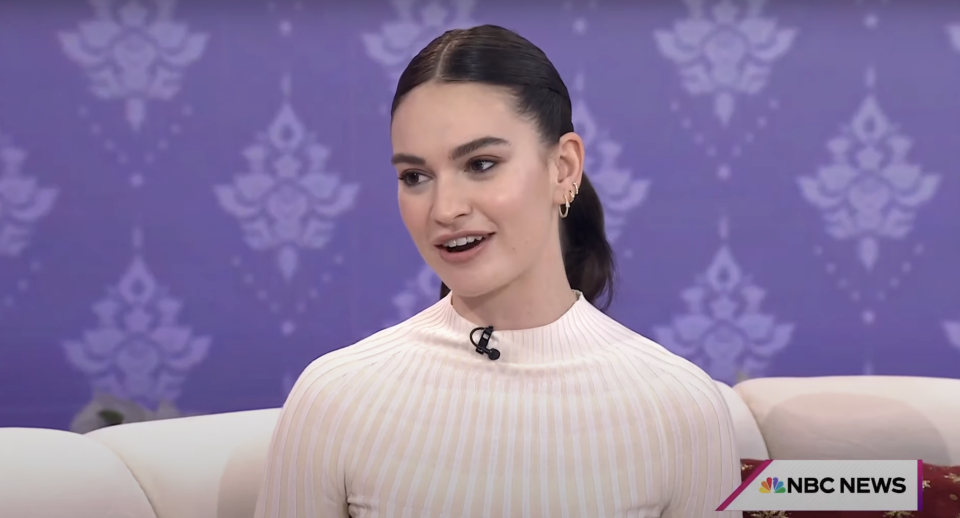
[{"x": 464, "y": 244}]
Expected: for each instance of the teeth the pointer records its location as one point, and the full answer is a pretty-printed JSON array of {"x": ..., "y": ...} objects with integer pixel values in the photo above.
[{"x": 462, "y": 241}]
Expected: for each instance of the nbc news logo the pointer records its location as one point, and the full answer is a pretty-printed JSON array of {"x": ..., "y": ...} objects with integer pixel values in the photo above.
[
  {"x": 853, "y": 485},
  {"x": 829, "y": 485}
]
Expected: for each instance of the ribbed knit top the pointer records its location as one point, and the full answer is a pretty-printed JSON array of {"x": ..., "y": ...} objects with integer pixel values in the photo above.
[{"x": 578, "y": 418}]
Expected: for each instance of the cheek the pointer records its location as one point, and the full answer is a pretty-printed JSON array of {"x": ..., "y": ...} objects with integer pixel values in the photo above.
[
  {"x": 522, "y": 209},
  {"x": 412, "y": 210},
  {"x": 505, "y": 206},
  {"x": 523, "y": 190}
]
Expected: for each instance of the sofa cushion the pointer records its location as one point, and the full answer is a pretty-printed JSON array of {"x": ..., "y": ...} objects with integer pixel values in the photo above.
[
  {"x": 196, "y": 467},
  {"x": 857, "y": 417},
  {"x": 58, "y": 474},
  {"x": 941, "y": 497}
]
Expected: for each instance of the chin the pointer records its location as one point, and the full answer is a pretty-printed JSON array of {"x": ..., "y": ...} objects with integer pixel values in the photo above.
[
  {"x": 467, "y": 285},
  {"x": 481, "y": 275},
  {"x": 468, "y": 288}
]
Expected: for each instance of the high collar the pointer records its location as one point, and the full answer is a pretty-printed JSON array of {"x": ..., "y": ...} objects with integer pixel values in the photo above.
[{"x": 579, "y": 332}]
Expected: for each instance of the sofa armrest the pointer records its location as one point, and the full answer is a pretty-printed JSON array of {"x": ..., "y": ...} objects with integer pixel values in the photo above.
[
  {"x": 53, "y": 474},
  {"x": 750, "y": 441},
  {"x": 857, "y": 417}
]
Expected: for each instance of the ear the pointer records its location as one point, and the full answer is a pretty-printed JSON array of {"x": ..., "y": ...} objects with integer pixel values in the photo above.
[{"x": 570, "y": 160}]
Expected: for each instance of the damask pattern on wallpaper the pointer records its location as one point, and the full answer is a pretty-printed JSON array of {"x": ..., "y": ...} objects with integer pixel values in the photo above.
[
  {"x": 290, "y": 191},
  {"x": 137, "y": 55}
]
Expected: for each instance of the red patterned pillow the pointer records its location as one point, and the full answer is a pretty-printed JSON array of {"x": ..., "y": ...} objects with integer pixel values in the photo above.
[{"x": 941, "y": 497}]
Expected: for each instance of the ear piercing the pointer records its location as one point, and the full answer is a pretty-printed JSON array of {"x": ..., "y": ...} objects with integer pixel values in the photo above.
[{"x": 567, "y": 198}]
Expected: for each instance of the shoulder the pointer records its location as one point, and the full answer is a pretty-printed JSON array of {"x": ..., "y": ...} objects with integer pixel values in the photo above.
[
  {"x": 675, "y": 372},
  {"x": 360, "y": 360},
  {"x": 687, "y": 402},
  {"x": 330, "y": 371},
  {"x": 676, "y": 378}
]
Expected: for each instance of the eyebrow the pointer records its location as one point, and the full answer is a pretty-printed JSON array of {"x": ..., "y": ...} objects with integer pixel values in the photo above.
[{"x": 457, "y": 153}]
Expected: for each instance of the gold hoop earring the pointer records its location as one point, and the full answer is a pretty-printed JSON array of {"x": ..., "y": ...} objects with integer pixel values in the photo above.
[
  {"x": 565, "y": 208},
  {"x": 576, "y": 190}
]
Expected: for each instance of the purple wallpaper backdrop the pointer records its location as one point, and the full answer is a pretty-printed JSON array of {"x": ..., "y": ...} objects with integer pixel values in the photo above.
[{"x": 196, "y": 199}]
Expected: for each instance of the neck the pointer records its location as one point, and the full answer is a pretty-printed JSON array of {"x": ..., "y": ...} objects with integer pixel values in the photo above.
[{"x": 539, "y": 297}]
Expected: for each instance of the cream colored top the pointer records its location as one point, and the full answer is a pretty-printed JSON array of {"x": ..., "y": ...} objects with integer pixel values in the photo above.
[{"x": 578, "y": 418}]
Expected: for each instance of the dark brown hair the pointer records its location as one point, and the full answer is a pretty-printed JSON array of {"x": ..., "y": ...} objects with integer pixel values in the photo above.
[{"x": 496, "y": 56}]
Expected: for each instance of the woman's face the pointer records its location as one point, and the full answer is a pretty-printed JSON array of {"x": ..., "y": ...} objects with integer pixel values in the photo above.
[{"x": 478, "y": 189}]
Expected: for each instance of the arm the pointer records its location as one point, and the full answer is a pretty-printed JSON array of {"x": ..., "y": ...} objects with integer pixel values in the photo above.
[
  {"x": 707, "y": 464},
  {"x": 302, "y": 477}
]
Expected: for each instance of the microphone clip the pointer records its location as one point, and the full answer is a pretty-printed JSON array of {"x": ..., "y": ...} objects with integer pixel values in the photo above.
[{"x": 481, "y": 345}]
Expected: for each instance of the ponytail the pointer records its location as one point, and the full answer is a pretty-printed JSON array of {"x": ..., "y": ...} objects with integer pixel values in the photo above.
[{"x": 587, "y": 255}]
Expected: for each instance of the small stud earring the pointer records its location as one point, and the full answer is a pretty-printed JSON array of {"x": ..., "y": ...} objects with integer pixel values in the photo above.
[{"x": 565, "y": 208}]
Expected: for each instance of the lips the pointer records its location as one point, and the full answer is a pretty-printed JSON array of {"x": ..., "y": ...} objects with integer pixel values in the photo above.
[
  {"x": 465, "y": 247},
  {"x": 463, "y": 243},
  {"x": 460, "y": 239}
]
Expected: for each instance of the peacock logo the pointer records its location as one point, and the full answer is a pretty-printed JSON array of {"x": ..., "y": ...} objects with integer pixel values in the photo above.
[{"x": 772, "y": 485}]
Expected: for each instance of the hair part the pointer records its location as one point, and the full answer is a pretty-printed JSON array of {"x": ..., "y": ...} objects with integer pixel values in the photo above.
[{"x": 496, "y": 56}]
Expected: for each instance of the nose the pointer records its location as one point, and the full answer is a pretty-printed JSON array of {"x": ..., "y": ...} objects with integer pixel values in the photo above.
[{"x": 451, "y": 202}]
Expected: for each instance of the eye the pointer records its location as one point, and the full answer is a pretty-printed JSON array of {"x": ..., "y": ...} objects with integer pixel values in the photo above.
[
  {"x": 480, "y": 165},
  {"x": 411, "y": 178}
]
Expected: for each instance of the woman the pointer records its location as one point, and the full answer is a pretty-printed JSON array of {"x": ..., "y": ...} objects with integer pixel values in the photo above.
[{"x": 565, "y": 412}]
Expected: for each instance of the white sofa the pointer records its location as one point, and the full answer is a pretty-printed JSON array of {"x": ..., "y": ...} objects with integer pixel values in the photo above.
[{"x": 210, "y": 466}]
